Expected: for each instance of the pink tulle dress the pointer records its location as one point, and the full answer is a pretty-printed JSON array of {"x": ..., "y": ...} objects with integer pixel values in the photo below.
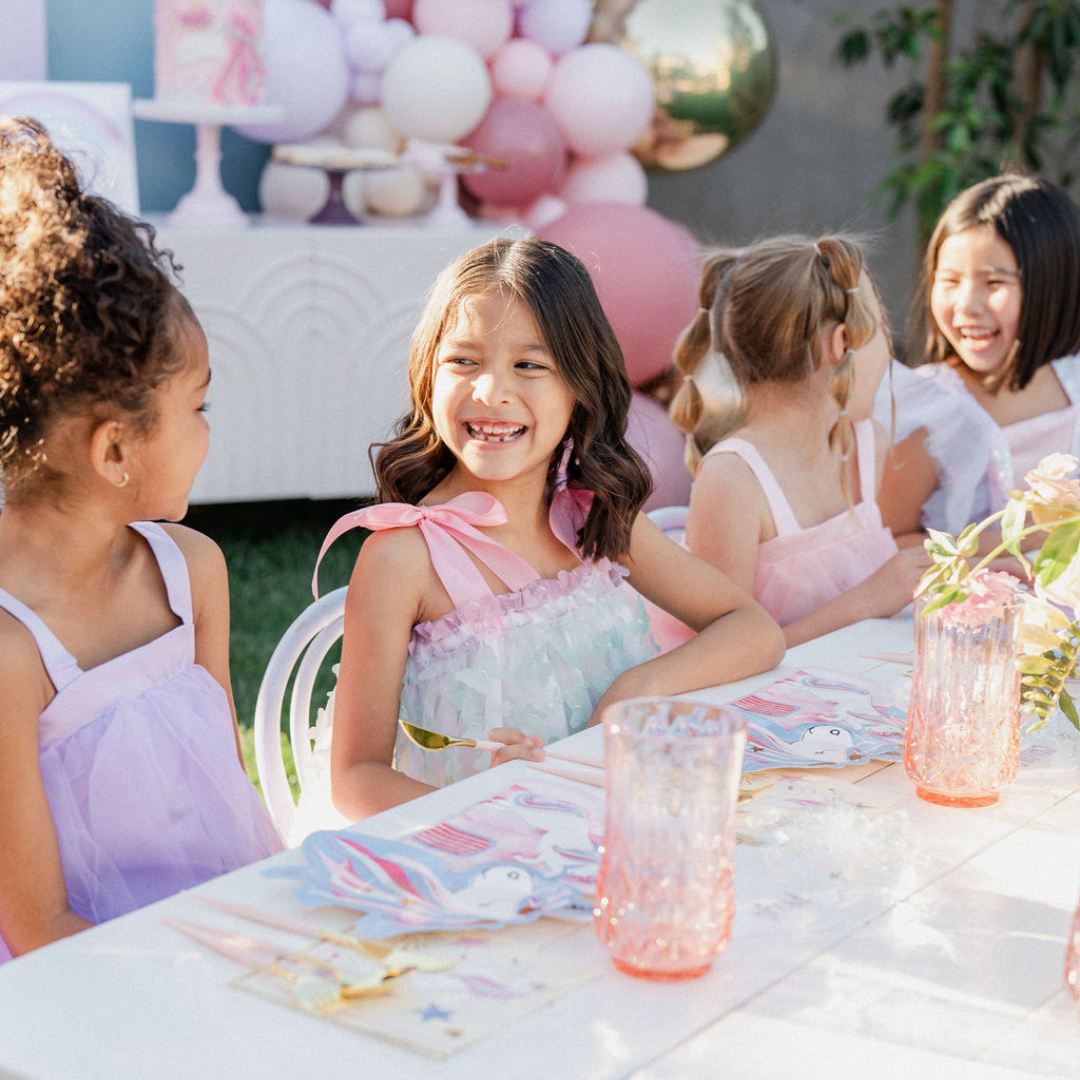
[
  {"x": 139, "y": 763},
  {"x": 800, "y": 569},
  {"x": 536, "y": 658}
]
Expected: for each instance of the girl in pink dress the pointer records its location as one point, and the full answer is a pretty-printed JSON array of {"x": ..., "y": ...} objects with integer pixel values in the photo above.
[
  {"x": 787, "y": 460},
  {"x": 121, "y": 780},
  {"x": 491, "y": 595}
]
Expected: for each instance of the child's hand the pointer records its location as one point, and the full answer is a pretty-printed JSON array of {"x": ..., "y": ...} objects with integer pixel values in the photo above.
[
  {"x": 890, "y": 588},
  {"x": 529, "y": 747}
]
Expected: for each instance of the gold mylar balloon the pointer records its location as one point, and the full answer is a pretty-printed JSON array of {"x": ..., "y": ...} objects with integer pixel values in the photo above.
[{"x": 713, "y": 65}]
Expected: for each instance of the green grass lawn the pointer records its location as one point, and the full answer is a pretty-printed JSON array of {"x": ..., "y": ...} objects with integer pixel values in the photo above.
[{"x": 270, "y": 549}]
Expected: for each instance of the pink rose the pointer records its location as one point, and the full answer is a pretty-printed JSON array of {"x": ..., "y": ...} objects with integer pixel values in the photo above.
[
  {"x": 1050, "y": 487},
  {"x": 990, "y": 591}
]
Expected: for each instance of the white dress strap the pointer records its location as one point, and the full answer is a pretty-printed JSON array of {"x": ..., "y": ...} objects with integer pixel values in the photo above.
[
  {"x": 60, "y": 665},
  {"x": 864, "y": 447},
  {"x": 173, "y": 567},
  {"x": 783, "y": 516}
]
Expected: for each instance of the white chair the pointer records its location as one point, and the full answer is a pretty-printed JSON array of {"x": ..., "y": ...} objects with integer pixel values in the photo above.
[
  {"x": 672, "y": 519},
  {"x": 306, "y": 642}
]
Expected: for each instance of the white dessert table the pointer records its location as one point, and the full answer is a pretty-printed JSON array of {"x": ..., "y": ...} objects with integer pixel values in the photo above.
[
  {"x": 914, "y": 941},
  {"x": 309, "y": 329}
]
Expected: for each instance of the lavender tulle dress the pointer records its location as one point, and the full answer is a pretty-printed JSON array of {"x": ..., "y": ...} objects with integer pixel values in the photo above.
[
  {"x": 139, "y": 764},
  {"x": 536, "y": 658}
]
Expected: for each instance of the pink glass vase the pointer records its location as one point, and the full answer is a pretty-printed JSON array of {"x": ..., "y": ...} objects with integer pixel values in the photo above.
[
  {"x": 962, "y": 737},
  {"x": 1072, "y": 959},
  {"x": 665, "y": 889}
]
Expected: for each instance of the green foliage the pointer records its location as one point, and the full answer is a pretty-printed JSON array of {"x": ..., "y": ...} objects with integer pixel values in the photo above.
[
  {"x": 1001, "y": 95},
  {"x": 270, "y": 549}
]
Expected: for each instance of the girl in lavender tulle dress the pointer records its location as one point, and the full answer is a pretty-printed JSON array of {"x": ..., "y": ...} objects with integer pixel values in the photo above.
[
  {"x": 120, "y": 775},
  {"x": 490, "y": 599}
]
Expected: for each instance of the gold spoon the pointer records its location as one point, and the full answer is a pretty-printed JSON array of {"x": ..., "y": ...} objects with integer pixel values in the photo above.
[{"x": 433, "y": 740}]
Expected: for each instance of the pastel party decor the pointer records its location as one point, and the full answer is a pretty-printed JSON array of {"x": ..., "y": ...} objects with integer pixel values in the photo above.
[
  {"x": 645, "y": 268},
  {"x": 525, "y": 136},
  {"x": 616, "y": 178},
  {"x": 437, "y": 89},
  {"x": 292, "y": 191},
  {"x": 602, "y": 98},
  {"x": 306, "y": 71},
  {"x": 482, "y": 24},
  {"x": 350, "y": 12},
  {"x": 209, "y": 52},
  {"x": 651, "y": 433},
  {"x": 522, "y": 68},
  {"x": 557, "y": 25},
  {"x": 395, "y": 192},
  {"x": 368, "y": 126}
]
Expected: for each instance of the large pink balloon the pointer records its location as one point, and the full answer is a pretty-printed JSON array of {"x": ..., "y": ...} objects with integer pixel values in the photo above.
[
  {"x": 399, "y": 9},
  {"x": 652, "y": 434},
  {"x": 645, "y": 269},
  {"x": 482, "y": 24},
  {"x": 526, "y": 136},
  {"x": 306, "y": 71},
  {"x": 616, "y": 178},
  {"x": 521, "y": 69},
  {"x": 602, "y": 98}
]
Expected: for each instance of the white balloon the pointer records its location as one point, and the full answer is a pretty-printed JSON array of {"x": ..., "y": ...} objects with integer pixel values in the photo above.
[
  {"x": 366, "y": 87},
  {"x": 292, "y": 191},
  {"x": 543, "y": 211},
  {"x": 369, "y": 127},
  {"x": 353, "y": 193},
  {"x": 602, "y": 98},
  {"x": 350, "y": 12},
  {"x": 436, "y": 89},
  {"x": 369, "y": 47},
  {"x": 617, "y": 178},
  {"x": 394, "y": 192}
]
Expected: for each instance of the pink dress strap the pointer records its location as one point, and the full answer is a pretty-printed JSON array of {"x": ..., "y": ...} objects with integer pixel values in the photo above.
[
  {"x": 783, "y": 517},
  {"x": 447, "y": 528}
]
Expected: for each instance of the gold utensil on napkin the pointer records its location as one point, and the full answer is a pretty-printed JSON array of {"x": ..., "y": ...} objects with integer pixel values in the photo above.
[
  {"x": 389, "y": 955},
  {"x": 317, "y": 985}
]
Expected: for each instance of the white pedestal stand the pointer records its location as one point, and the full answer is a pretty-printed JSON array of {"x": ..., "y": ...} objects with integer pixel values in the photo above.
[{"x": 208, "y": 204}]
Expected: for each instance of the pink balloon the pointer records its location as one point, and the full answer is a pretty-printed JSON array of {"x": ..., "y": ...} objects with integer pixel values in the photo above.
[
  {"x": 399, "y": 9},
  {"x": 645, "y": 269},
  {"x": 558, "y": 25},
  {"x": 652, "y": 434},
  {"x": 483, "y": 24},
  {"x": 306, "y": 71},
  {"x": 521, "y": 69},
  {"x": 526, "y": 136},
  {"x": 616, "y": 178},
  {"x": 602, "y": 98}
]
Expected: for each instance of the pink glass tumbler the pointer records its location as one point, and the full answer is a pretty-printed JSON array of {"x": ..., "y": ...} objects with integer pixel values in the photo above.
[
  {"x": 665, "y": 891},
  {"x": 962, "y": 736},
  {"x": 1072, "y": 959}
]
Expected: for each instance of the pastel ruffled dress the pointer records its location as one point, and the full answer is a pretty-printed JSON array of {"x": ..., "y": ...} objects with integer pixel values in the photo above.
[
  {"x": 536, "y": 658},
  {"x": 977, "y": 461},
  {"x": 799, "y": 569},
  {"x": 139, "y": 763}
]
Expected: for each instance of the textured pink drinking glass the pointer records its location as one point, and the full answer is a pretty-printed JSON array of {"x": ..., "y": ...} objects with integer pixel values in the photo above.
[
  {"x": 665, "y": 890},
  {"x": 1072, "y": 959},
  {"x": 962, "y": 737}
]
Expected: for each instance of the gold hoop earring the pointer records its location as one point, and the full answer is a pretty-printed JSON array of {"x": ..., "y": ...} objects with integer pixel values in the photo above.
[{"x": 122, "y": 483}]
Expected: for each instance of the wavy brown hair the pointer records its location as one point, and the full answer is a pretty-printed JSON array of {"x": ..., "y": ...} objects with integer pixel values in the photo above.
[
  {"x": 89, "y": 317},
  {"x": 1042, "y": 226},
  {"x": 559, "y": 293},
  {"x": 762, "y": 312}
]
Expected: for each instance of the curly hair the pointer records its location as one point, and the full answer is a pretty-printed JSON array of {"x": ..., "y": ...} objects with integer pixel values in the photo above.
[
  {"x": 557, "y": 289},
  {"x": 89, "y": 315}
]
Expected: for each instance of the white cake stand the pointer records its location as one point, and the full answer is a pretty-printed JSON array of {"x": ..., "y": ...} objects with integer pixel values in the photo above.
[{"x": 207, "y": 204}]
